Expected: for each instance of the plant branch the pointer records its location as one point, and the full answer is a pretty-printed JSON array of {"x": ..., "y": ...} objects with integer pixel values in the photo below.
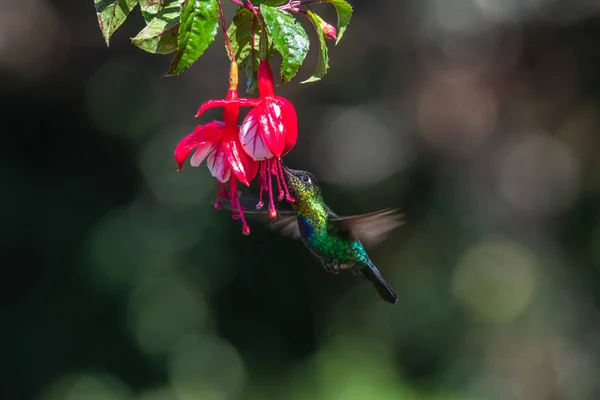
[{"x": 227, "y": 41}]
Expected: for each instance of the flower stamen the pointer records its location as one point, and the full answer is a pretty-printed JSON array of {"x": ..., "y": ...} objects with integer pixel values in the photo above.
[
  {"x": 276, "y": 173},
  {"x": 272, "y": 211},
  {"x": 236, "y": 207},
  {"x": 288, "y": 197},
  {"x": 262, "y": 183},
  {"x": 217, "y": 206}
]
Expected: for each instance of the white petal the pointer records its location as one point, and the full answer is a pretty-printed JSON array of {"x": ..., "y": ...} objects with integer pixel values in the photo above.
[
  {"x": 218, "y": 165},
  {"x": 201, "y": 152},
  {"x": 252, "y": 141}
]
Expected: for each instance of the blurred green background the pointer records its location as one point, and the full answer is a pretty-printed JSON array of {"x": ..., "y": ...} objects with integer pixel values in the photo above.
[{"x": 478, "y": 118}]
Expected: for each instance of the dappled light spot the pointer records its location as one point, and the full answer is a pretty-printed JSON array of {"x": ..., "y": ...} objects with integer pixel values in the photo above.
[
  {"x": 495, "y": 280},
  {"x": 162, "y": 393},
  {"x": 188, "y": 187},
  {"x": 88, "y": 387},
  {"x": 535, "y": 362},
  {"x": 360, "y": 146},
  {"x": 206, "y": 367},
  {"x": 29, "y": 34},
  {"x": 121, "y": 100},
  {"x": 165, "y": 229},
  {"x": 162, "y": 310},
  {"x": 116, "y": 257},
  {"x": 539, "y": 174},
  {"x": 455, "y": 112},
  {"x": 346, "y": 369}
]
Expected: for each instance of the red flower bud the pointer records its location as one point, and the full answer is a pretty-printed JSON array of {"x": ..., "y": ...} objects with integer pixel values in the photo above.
[{"x": 328, "y": 30}]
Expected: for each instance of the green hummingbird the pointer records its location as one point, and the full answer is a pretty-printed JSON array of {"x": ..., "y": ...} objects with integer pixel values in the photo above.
[{"x": 338, "y": 242}]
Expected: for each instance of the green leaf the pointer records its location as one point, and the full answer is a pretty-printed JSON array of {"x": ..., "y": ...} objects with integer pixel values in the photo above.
[
  {"x": 111, "y": 14},
  {"x": 289, "y": 38},
  {"x": 160, "y": 35},
  {"x": 240, "y": 36},
  {"x": 323, "y": 63},
  {"x": 250, "y": 70},
  {"x": 197, "y": 30},
  {"x": 150, "y": 8},
  {"x": 344, "y": 13}
]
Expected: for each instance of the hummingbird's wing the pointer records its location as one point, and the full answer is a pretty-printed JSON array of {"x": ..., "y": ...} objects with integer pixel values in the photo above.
[
  {"x": 286, "y": 222},
  {"x": 371, "y": 229},
  {"x": 288, "y": 225},
  {"x": 249, "y": 201}
]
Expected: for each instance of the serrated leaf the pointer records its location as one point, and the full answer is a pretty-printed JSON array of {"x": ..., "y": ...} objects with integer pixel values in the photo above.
[
  {"x": 240, "y": 34},
  {"x": 344, "y": 13},
  {"x": 323, "y": 63},
  {"x": 150, "y": 8},
  {"x": 289, "y": 38},
  {"x": 197, "y": 30},
  {"x": 160, "y": 35},
  {"x": 111, "y": 14}
]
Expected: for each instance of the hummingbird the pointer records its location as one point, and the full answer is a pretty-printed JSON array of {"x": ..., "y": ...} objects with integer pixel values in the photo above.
[{"x": 338, "y": 242}]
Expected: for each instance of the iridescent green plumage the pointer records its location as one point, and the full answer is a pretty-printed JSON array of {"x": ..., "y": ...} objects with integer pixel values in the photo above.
[{"x": 336, "y": 241}]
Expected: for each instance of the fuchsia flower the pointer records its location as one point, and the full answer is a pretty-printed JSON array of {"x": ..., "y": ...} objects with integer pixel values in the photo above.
[
  {"x": 219, "y": 143},
  {"x": 269, "y": 131}
]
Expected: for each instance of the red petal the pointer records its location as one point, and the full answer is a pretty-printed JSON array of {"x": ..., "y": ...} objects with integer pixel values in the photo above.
[
  {"x": 222, "y": 103},
  {"x": 251, "y": 139},
  {"x": 210, "y": 104},
  {"x": 290, "y": 121},
  {"x": 243, "y": 167},
  {"x": 265, "y": 79},
  {"x": 203, "y": 133},
  {"x": 279, "y": 125},
  {"x": 251, "y": 168}
]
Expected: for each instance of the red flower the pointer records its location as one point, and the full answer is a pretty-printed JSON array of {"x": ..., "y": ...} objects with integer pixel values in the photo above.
[
  {"x": 271, "y": 128},
  {"x": 219, "y": 143},
  {"x": 269, "y": 131}
]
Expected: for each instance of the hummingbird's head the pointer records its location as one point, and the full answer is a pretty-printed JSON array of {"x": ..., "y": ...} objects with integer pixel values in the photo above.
[{"x": 301, "y": 184}]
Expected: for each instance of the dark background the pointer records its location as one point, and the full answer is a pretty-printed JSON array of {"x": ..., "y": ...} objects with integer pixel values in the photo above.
[{"x": 478, "y": 118}]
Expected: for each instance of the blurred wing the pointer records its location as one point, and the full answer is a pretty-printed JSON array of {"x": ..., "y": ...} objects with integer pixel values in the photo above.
[
  {"x": 249, "y": 201},
  {"x": 286, "y": 222},
  {"x": 288, "y": 225},
  {"x": 372, "y": 228}
]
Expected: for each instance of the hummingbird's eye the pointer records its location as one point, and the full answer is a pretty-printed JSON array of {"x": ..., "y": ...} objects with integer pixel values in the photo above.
[{"x": 305, "y": 179}]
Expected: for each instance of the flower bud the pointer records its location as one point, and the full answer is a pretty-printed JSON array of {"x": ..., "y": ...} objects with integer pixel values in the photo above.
[{"x": 328, "y": 30}]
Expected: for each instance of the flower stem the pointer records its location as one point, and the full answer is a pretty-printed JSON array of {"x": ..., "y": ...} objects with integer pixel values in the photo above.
[
  {"x": 227, "y": 41},
  {"x": 264, "y": 50},
  {"x": 252, "y": 43},
  {"x": 240, "y": 3}
]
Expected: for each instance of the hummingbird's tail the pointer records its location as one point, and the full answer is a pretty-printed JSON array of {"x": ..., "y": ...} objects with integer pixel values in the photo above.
[{"x": 383, "y": 288}]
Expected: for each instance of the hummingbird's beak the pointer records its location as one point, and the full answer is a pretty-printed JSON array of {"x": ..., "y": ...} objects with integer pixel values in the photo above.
[{"x": 286, "y": 170}]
